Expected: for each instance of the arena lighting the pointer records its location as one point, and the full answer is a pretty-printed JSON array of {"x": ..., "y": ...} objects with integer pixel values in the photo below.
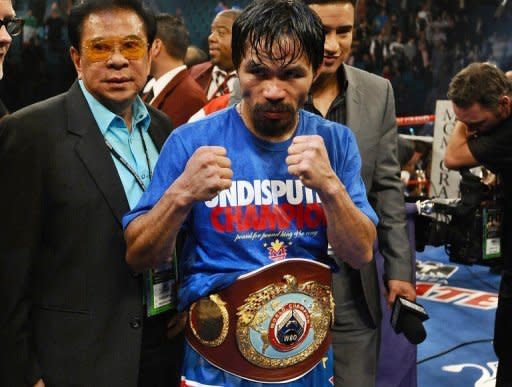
[{"x": 500, "y": 9}]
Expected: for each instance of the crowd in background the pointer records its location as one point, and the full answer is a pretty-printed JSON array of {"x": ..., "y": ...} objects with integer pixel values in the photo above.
[
  {"x": 418, "y": 45},
  {"x": 420, "y": 48}
]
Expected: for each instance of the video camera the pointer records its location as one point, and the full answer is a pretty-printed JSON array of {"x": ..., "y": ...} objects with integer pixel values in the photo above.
[{"x": 469, "y": 228}]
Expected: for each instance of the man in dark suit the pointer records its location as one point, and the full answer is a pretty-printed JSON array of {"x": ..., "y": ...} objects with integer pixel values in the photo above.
[
  {"x": 365, "y": 103},
  {"x": 172, "y": 88},
  {"x": 72, "y": 166},
  {"x": 217, "y": 76}
]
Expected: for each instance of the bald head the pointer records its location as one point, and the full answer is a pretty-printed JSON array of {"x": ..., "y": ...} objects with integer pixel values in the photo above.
[
  {"x": 229, "y": 13},
  {"x": 323, "y": 2},
  {"x": 219, "y": 40}
]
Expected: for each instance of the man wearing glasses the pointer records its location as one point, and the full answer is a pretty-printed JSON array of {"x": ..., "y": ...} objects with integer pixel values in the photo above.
[
  {"x": 9, "y": 26},
  {"x": 72, "y": 165}
]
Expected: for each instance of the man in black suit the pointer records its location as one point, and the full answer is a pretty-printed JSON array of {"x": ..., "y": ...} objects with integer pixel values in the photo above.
[{"x": 71, "y": 166}]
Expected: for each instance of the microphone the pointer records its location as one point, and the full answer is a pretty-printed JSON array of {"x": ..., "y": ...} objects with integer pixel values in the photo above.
[{"x": 407, "y": 317}]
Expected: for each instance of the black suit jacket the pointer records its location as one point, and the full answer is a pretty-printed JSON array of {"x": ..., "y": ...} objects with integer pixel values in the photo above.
[{"x": 72, "y": 311}]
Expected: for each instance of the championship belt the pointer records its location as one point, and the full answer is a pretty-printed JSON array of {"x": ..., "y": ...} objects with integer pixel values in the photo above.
[{"x": 271, "y": 325}]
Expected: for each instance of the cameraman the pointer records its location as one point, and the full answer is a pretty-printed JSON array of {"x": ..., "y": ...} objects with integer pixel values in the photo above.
[{"x": 482, "y": 101}]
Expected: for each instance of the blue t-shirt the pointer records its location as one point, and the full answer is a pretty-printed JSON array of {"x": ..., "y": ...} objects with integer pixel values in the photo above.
[{"x": 266, "y": 215}]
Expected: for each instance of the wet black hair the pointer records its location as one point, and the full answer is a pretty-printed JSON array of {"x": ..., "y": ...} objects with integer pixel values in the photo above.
[{"x": 289, "y": 25}]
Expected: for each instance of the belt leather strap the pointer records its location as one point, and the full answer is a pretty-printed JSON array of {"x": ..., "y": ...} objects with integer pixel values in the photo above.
[{"x": 271, "y": 325}]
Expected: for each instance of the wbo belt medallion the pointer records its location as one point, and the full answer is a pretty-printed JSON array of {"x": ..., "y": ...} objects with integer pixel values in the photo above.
[
  {"x": 283, "y": 324},
  {"x": 289, "y": 327},
  {"x": 271, "y": 325}
]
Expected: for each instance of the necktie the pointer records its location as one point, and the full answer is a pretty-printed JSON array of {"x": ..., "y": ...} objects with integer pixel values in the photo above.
[{"x": 221, "y": 80}]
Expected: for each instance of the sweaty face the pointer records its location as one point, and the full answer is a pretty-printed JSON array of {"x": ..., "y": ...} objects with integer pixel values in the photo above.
[
  {"x": 338, "y": 22},
  {"x": 479, "y": 119},
  {"x": 6, "y": 12},
  {"x": 219, "y": 42},
  {"x": 273, "y": 92},
  {"x": 116, "y": 80}
]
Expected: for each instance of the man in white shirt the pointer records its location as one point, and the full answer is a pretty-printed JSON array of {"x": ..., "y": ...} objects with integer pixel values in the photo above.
[
  {"x": 217, "y": 76},
  {"x": 172, "y": 89}
]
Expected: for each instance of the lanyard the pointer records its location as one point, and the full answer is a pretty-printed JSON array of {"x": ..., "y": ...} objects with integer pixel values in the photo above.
[
  {"x": 159, "y": 284},
  {"x": 125, "y": 163}
]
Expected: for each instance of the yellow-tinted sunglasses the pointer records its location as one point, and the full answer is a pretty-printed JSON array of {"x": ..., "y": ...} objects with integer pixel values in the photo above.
[{"x": 102, "y": 49}]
